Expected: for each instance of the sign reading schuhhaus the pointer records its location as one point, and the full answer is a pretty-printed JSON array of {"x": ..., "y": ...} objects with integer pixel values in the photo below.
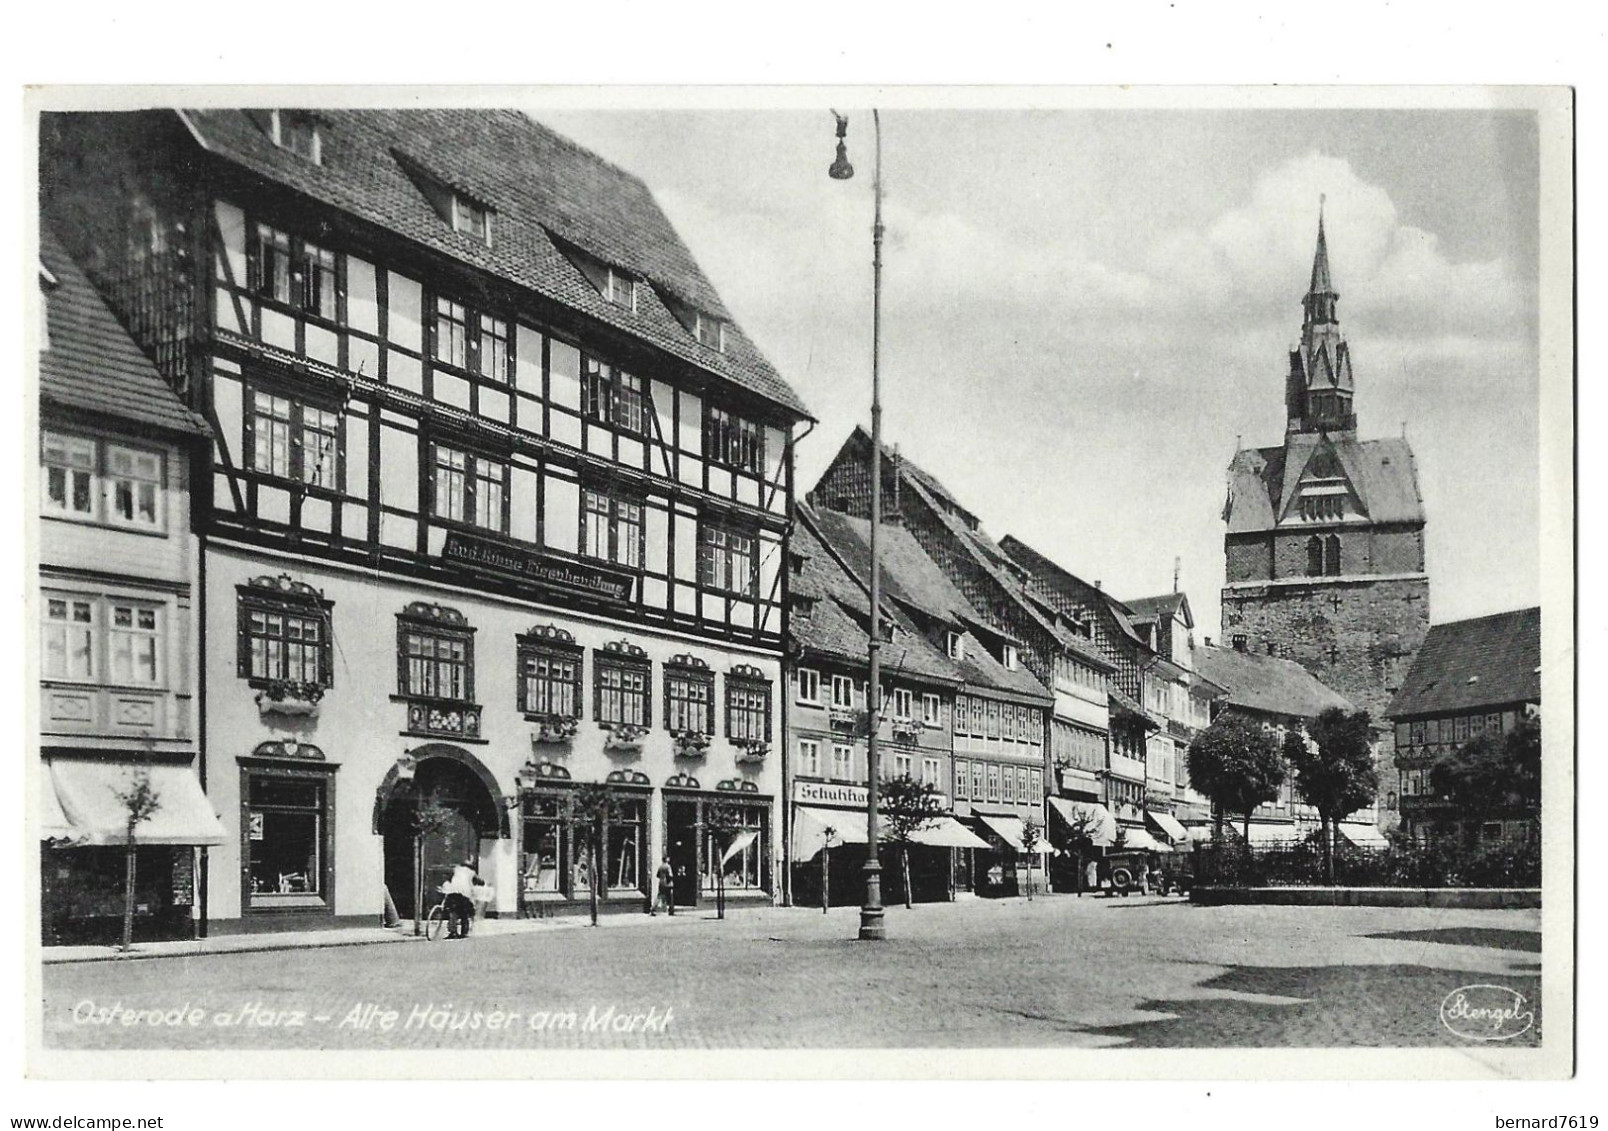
[{"x": 481, "y": 553}]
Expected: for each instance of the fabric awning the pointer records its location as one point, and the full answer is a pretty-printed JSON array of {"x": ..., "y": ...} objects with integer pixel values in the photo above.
[
  {"x": 53, "y": 823},
  {"x": 1088, "y": 817},
  {"x": 946, "y": 832},
  {"x": 810, "y": 825},
  {"x": 1135, "y": 837},
  {"x": 88, "y": 793},
  {"x": 1008, "y": 829},
  {"x": 1271, "y": 834},
  {"x": 1363, "y": 835},
  {"x": 1169, "y": 826}
]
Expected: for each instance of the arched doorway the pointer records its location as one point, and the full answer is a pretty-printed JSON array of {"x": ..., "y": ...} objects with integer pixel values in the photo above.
[{"x": 449, "y": 805}]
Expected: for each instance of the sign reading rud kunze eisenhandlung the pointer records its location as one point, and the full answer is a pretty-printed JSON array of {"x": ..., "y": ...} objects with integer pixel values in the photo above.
[{"x": 481, "y": 553}]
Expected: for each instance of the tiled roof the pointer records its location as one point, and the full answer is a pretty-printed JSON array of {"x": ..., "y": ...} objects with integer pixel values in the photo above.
[
  {"x": 1263, "y": 481},
  {"x": 92, "y": 364},
  {"x": 1149, "y": 608},
  {"x": 837, "y": 622},
  {"x": 1042, "y": 567},
  {"x": 540, "y": 187},
  {"x": 913, "y": 579},
  {"x": 1474, "y": 663},
  {"x": 862, "y": 438},
  {"x": 1267, "y": 683}
]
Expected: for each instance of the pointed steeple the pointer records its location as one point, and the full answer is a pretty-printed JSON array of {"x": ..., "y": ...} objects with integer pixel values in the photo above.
[
  {"x": 1318, "y": 391},
  {"x": 1320, "y": 261}
]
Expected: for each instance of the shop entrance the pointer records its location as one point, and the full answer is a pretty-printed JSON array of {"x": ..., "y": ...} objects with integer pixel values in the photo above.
[
  {"x": 450, "y": 810},
  {"x": 681, "y": 843}
]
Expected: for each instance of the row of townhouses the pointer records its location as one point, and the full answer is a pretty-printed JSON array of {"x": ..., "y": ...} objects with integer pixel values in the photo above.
[{"x": 401, "y": 473}]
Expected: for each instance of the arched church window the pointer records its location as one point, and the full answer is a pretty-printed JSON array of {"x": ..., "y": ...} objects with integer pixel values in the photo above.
[
  {"x": 1331, "y": 556},
  {"x": 1314, "y": 556}
]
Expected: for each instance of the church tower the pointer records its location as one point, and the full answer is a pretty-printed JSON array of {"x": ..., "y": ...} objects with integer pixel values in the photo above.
[{"x": 1325, "y": 538}]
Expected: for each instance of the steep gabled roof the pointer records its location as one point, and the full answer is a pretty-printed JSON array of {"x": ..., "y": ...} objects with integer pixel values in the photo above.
[
  {"x": 1166, "y": 605},
  {"x": 1046, "y": 571},
  {"x": 1263, "y": 481},
  {"x": 910, "y": 577},
  {"x": 1474, "y": 663},
  {"x": 541, "y": 187},
  {"x": 1269, "y": 684},
  {"x": 92, "y": 364}
]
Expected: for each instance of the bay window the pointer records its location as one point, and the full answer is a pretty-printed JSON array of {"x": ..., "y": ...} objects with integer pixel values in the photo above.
[
  {"x": 284, "y": 635},
  {"x": 748, "y": 706},
  {"x": 549, "y": 674},
  {"x": 689, "y": 697},
  {"x": 620, "y": 689}
]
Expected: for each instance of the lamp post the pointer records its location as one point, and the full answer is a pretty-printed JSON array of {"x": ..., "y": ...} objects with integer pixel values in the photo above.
[{"x": 871, "y": 913}]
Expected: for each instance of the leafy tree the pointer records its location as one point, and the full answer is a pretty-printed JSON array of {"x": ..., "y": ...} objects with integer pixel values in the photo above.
[
  {"x": 1032, "y": 834},
  {"x": 140, "y": 802},
  {"x": 593, "y": 805},
  {"x": 908, "y": 806},
  {"x": 1237, "y": 765},
  {"x": 1335, "y": 771},
  {"x": 428, "y": 815},
  {"x": 723, "y": 821},
  {"x": 1083, "y": 828},
  {"x": 1491, "y": 773}
]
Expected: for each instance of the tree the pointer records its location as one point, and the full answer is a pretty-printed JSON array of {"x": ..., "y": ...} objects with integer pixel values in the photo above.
[
  {"x": 1237, "y": 765},
  {"x": 908, "y": 806},
  {"x": 1334, "y": 771},
  {"x": 1491, "y": 773},
  {"x": 1083, "y": 830},
  {"x": 140, "y": 802},
  {"x": 593, "y": 805},
  {"x": 1031, "y": 835},
  {"x": 428, "y": 816},
  {"x": 723, "y": 822}
]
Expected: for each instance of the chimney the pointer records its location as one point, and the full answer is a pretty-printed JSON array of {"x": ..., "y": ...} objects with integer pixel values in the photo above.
[{"x": 1097, "y": 586}]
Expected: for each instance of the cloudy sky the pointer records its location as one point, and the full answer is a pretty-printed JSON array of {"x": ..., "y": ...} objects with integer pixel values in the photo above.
[{"x": 1084, "y": 309}]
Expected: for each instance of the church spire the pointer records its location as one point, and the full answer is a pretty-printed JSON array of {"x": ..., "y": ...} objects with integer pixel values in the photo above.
[{"x": 1318, "y": 391}]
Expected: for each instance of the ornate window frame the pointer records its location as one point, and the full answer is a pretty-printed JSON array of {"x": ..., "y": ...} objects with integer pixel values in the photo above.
[
  {"x": 547, "y": 640},
  {"x": 286, "y": 597},
  {"x": 437, "y": 715}
]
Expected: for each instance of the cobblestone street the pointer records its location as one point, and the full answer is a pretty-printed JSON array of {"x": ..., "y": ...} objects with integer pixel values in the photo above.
[{"x": 1059, "y": 971}]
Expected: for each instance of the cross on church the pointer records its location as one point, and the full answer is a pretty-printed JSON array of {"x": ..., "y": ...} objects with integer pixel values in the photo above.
[{"x": 1334, "y": 601}]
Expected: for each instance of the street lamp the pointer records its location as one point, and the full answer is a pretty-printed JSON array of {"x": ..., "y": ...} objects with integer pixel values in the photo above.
[{"x": 871, "y": 913}]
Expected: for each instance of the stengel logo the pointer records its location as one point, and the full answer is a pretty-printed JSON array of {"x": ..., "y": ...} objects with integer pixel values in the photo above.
[{"x": 1486, "y": 1013}]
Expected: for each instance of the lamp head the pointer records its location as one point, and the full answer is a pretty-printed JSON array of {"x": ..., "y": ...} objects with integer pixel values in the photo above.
[{"x": 840, "y": 169}]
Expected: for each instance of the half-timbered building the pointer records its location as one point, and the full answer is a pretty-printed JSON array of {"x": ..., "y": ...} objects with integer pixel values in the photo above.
[{"x": 497, "y": 503}]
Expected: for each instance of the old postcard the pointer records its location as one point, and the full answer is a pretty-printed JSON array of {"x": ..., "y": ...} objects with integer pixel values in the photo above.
[{"x": 801, "y": 582}]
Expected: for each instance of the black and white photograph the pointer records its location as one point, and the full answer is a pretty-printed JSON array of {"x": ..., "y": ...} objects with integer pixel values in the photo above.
[{"x": 1061, "y": 575}]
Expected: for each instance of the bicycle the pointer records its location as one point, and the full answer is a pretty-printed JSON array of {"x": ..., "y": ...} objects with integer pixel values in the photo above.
[{"x": 435, "y": 921}]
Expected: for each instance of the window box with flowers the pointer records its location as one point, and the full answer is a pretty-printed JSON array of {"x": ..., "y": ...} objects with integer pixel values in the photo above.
[
  {"x": 621, "y": 695},
  {"x": 689, "y": 705},
  {"x": 906, "y": 730},
  {"x": 283, "y": 644},
  {"x": 549, "y": 689},
  {"x": 748, "y": 712}
]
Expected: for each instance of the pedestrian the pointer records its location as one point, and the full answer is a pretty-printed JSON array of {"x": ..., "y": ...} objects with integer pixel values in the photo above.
[
  {"x": 666, "y": 879},
  {"x": 459, "y": 903}
]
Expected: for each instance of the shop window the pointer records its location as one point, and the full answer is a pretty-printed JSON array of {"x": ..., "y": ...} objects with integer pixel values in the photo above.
[
  {"x": 747, "y": 868},
  {"x": 287, "y": 835},
  {"x": 734, "y": 441},
  {"x": 468, "y": 488},
  {"x": 689, "y": 697},
  {"x": 284, "y": 637},
  {"x": 611, "y": 528},
  {"x": 625, "y": 837},
  {"x": 727, "y": 560},
  {"x": 809, "y": 686},
  {"x": 544, "y": 844},
  {"x": 620, "y": 689},
  {"x": 611, "y": 396},
  {"x": 549, "y": 674}
]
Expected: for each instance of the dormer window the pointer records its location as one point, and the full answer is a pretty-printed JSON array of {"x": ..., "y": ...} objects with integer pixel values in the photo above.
[
  {"x": 471, "y": 219},
  {"x": 1010, "y": 658},
  {"x": 710, "y": 331},
  {"x": 620, "y": 289},
  {"x": 955, "y": 645},
  {"x": 297, "y": 131}
]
